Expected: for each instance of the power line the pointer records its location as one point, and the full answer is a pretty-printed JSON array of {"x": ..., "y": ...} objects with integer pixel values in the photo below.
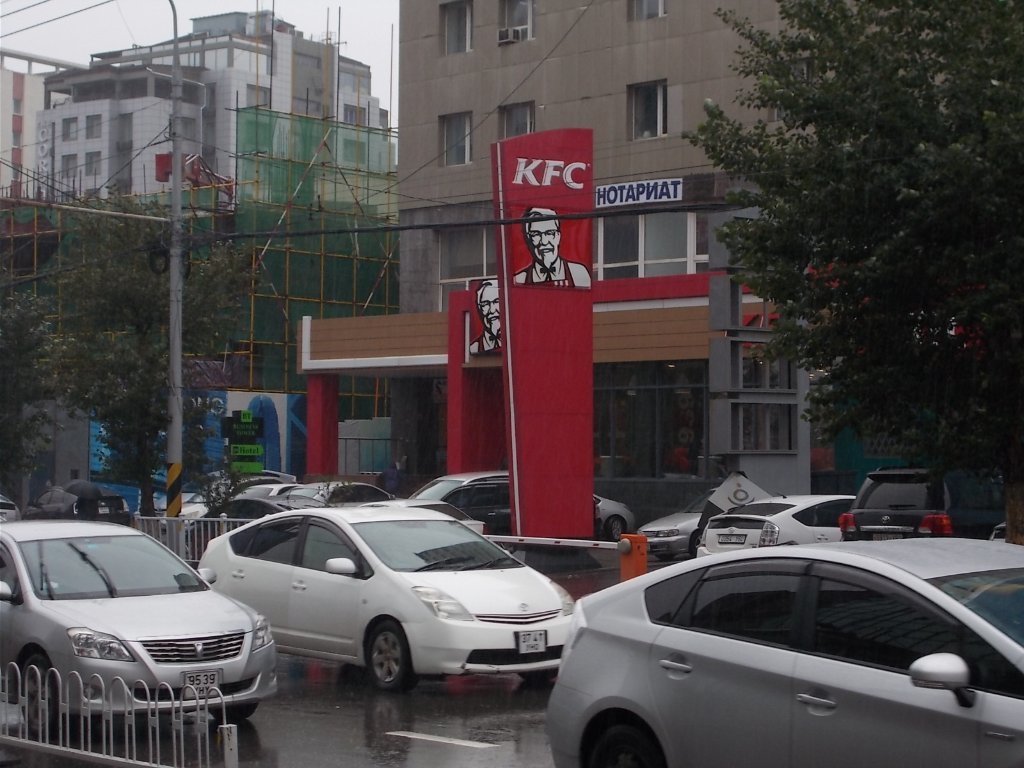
[{"x": 50, "y": 21}]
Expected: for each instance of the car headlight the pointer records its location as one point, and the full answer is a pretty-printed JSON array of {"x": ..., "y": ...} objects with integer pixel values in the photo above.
[
  {"x": 568, "y": 604},
  {"x": 261, "y": 632},
  {"x": 97, "y": 645},
  {"x": 442, "y": 605}
]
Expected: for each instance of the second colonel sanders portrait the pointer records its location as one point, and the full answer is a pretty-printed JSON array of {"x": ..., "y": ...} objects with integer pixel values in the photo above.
[
  {"x": 543, "y": 234},
  {"x": 488, "y": 310}
]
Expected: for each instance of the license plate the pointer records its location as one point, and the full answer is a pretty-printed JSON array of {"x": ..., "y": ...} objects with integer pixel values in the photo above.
[
  {"x": 731, "y": 538},
  {"x": 885, "y": 536},
  {"x": 534, "y": 641},
  {"x": 202, "y": 680}
]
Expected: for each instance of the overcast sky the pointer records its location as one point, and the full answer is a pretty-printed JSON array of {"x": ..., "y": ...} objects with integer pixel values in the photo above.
[{"x": 52, "y": 28}]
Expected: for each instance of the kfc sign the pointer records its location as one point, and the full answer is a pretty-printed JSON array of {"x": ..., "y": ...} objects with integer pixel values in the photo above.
[{"x": 527, "y": 171}]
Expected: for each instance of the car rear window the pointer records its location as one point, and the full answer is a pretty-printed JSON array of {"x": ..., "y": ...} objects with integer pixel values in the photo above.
[{"x": 761, "y": 509}]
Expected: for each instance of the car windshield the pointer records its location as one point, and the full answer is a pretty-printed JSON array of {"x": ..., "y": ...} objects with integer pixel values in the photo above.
[
  {"x": 90, "y": 567},
  {"x": 436, "y": 489},
  {"x": 996, "y": 596},
  {"x": 432, "y": 545}
]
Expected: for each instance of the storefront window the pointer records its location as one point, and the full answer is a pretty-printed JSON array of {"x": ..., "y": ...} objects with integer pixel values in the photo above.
[{"x": 650, "y": 420}]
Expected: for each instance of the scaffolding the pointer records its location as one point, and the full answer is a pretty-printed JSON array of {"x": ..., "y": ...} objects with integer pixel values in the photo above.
[{"x": 311, "y": 200}]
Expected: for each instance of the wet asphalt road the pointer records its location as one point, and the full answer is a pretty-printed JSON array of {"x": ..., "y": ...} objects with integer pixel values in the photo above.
[{"x": 329, "y": 715}]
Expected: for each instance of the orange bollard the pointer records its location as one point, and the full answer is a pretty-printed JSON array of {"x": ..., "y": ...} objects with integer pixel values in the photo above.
[{"x": 633, "y": 560}]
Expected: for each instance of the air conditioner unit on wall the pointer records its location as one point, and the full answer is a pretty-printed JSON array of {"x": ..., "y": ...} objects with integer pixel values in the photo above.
[
  {"x": 520, "y": 33},
  {"x": 504, "y": 35}
]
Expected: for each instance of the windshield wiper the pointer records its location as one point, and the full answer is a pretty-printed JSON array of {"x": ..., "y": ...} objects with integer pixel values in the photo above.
[
  {"x": 438, "y": 564},
  {"x": 96, "y": 567}
]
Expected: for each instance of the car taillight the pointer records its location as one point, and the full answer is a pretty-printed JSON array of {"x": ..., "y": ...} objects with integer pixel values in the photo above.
[
  {"x": 936, "y": 525},
  {"x": 769, "y": 535},
  {"x": 847, "y": 522}
]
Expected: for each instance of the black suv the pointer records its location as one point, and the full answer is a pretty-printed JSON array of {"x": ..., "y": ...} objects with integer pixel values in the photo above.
[{"x": 901, "y": 503}]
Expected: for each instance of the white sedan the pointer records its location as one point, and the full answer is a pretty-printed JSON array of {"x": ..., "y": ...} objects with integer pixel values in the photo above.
[
  {"x": 402, "y": 592},
  {"x": 774, "y": 521}
]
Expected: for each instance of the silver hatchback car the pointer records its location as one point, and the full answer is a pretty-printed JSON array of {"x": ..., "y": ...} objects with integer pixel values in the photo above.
[
  {"x": 99, "y": 601},
  {"x": 846, "y": 654}
]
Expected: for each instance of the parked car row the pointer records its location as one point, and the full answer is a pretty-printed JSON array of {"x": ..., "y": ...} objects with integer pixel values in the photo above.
[{"x": 484, "y": 496}]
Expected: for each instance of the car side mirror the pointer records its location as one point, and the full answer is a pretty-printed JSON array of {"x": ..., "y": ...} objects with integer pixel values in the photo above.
[
  {"x": 6, "y": 593},
  {"x": 208, "y": 575},
  {"x": 343, "y": 566},
  {"x": 944, "y": 671}
]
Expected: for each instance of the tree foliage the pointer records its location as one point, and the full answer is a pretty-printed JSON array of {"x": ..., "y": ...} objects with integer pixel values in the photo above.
[
  {"x": 113, "y": 336},
  {"x": 890, "y": 231},
  {"x": 25, "y": 383}
]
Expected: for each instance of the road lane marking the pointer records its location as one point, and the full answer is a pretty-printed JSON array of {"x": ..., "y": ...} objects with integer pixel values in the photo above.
[{"x": 442, "y": 739}]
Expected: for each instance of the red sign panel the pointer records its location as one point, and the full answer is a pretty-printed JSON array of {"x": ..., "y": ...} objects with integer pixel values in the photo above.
[{"x": 544, "y": 189}]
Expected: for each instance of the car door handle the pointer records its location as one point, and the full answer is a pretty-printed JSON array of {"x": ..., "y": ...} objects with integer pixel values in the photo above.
[
  {"x": 675, "y": 666},
  {"x": 299, "y": 586},
  {"x": 238, "y": 574},
  {"x": 815, "y": 701}
]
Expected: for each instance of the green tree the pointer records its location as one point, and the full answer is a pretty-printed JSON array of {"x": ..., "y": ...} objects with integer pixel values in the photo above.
[
  {"x": 25, "y": 383},
  {"x": 890, "y": 231},
  {"x": 113, "y": 335}
]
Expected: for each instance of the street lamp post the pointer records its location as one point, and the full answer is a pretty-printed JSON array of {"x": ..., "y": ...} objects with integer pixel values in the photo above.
[{"x": 175, "y": 274}]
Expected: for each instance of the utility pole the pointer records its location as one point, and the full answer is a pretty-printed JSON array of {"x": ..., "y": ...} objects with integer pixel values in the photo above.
[{"x": 175, "y": 274}]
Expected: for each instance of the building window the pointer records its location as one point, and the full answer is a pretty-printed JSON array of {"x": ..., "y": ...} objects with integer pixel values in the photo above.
[
  {"x": 92, "y": 163},
  {"x": 455, "y": 131},
  {"x": 646, "y": 9},
  {"x": 651, "y": 245},
  {"x": 764, "y": 426},
  {"x": 68, "y": 166},
  {"x": 650, "y": 420},
  {"x": 257, "y": 96},
  {"x": 16, "y": 106},
  {"x": 93, "y": 126},
  {"x": 457, "y": 26},
  {"x": 353, "y": 114},
  {"x": 69, "y": 128},
  {"x": 516, "y": 119},
  {"x": 647, "y": 106},
  {"x": 16, "y": 139},
  {"x": 464, "y": 254},
  {"x": 517, "y": 14}
]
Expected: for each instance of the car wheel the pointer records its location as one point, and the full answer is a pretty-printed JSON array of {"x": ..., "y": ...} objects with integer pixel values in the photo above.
[
  {"x": 614, "y": 527},
  {"x": 691, "y": 547},
  {"x": 625, "y": 746},
  {"x": 40, "y": 715},
  {"x": 388, "y": 658}
]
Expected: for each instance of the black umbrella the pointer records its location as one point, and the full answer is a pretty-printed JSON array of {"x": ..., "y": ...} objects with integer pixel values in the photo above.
[{"x": 85, "y": 489}]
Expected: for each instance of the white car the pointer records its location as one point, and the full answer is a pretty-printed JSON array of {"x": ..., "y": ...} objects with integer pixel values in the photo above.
[
  {"x": 403, "y": 593},
  {"x": 106, "y": 601},
  {"x": 774, "y": 521}
]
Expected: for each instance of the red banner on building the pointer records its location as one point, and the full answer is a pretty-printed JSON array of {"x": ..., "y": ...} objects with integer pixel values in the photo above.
[{"x": 544, "y": 187}]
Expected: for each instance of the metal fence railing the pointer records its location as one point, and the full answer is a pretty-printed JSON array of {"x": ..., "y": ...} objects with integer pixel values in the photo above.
[{"x": 113, "y": 722}]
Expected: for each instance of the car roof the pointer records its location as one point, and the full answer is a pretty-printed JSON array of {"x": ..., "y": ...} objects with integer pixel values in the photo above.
[
  {"x": 468, "y": 477},
  {"x": 925, "y": 558},
  {"x": 364, "y": 514},
  {"x": 797, "y": 500},
  {"x": 33, "y": 530}
]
